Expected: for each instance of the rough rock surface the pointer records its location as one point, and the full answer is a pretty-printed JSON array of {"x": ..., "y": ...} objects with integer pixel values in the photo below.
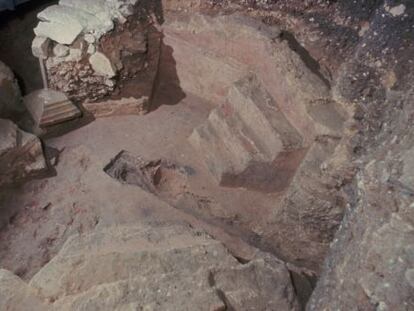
[
  {"x": 371, "y": 259},
  {"x": 21, "y": 154},
  {"x": 17, "y": 295},
  {"x": 118, "y": 268}
]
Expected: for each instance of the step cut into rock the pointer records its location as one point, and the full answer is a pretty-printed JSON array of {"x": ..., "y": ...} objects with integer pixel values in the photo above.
[
  {"x": 48, "y": 107},
  {"x": 248, "y": 142}
]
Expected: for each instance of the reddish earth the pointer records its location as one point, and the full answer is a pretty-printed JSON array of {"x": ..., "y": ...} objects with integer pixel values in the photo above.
[{"x": 76, "y": 200}]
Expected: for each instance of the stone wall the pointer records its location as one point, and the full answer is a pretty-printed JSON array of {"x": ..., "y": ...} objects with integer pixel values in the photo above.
[
  {"x": 92, "y": 49},
  {"x": 371, "y": 260}
]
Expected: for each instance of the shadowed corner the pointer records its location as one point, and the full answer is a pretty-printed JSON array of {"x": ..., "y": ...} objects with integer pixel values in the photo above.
[{"x": 167, "y": 89}]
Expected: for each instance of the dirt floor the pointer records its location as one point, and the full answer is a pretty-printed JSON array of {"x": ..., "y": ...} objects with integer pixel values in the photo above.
[{"x": 81, "y": 196}]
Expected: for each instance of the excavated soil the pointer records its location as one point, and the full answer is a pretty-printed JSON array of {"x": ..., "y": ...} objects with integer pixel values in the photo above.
[{"x": 49, "y": 210}]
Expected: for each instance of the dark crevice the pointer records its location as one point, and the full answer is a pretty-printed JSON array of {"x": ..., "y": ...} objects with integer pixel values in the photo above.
[
  {"x": 303, "y": 286},
  {"x": 305, "y": 56},
  {"x": 242, "y": 261}
]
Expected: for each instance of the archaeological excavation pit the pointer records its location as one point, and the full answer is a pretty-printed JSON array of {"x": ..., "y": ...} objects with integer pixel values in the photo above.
[{"x": 206, "y": 155}]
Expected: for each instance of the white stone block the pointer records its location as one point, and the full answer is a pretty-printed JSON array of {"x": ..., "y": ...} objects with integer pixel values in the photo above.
[
  {"x": 40, "y": 47},
  {"x": 102, "y": 65}
]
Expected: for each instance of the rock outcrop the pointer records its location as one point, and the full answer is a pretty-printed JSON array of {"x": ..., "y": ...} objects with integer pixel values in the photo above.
[
  {"x": 371, "y": 260},
  {"x": 21, "y": 154},
  {"x": 151, "y": 267}
]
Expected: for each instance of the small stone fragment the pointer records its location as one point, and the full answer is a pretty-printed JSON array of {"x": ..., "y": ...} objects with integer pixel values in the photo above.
[
  {"x": 89, "y": 38},
  {"x": 40, "y": 47},
  {"x": 397, "y": 10},
  {"x": 91, "y": 49},
  {"x": 74, "y": 55},
  {"x": 109, "y": 83},
  {"x": 102, "y": 65},
  {"x": 60, "y": 50}
]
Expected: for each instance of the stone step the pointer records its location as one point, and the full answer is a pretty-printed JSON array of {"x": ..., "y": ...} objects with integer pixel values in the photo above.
[
  {"x": 172, "y": 291},
  {"x": 50, "y": 107},
  {"x": 247, "y": 136},
  {"x": 241, "y": 149},
  {"x": 58, "y": 106},
  {"x": 248, "y": 142},
  {"x": 227, "y": 144},
  {"x": 151, "y": 253},
  {"x": 261, "y": 114},
  {"x": 254, "y": 145},
  {"x": 64, "y": 112},
  {"x": 218, "y": 158}
]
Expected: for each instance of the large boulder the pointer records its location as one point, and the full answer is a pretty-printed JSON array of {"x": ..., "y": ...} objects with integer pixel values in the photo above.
[
  {"x": 21, "y": 154},
  {"x": 152, "y": 267},
  {"x": 14, "y": 294}
]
